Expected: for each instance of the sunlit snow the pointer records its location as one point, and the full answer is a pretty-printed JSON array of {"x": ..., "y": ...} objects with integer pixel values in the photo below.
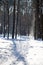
[{"x": 22, "y": 51}]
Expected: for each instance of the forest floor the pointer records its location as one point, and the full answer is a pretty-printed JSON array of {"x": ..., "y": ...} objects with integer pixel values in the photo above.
[{"x": 22, "y": 51}]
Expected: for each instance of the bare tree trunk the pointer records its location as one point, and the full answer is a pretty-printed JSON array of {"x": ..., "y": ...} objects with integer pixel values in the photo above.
[
  {"x": 40, "y": 4},
  {"x": 36, "y": 32},
  {"x": 42, "y": 19},
  {"x": 13, "y": 20},
  {"x": 38, "y": 22},
  {"x": 41, "y": 15},
  {"x": 4, "y": 19},
  {"x": 17, "y": 19},
  {"x": 0, "y": 19},
  {"x": 8, "y": 17},
  {"x": 20, "y": 25}
]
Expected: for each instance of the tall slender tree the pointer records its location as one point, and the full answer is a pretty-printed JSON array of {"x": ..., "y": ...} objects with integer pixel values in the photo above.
[
  {"x": 16, "y": 25},
  {"x": 13, "y": 20},
  {"x": 4, "y": 18},
  {"x": 0, "y": 18},
  {"x": 41, "y": 17},
  {"x": 7, "y": 5},
  {"x": 36, "y": 19}
]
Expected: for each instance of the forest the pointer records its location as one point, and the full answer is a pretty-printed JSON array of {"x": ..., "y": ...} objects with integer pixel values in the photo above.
[
  {"x": 21, "y": 32},
  {"x": 21, "y": 17}
]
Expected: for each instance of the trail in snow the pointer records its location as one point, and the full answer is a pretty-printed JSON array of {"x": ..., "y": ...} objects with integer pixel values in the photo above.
[{"x": 23, "y": 51}]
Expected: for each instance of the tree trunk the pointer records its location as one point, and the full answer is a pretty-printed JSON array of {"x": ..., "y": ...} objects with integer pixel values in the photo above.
[
  {"x": 38, "y": 22},
  {"x": 13, "y": 20},
  {"x": 8, "y": 17},
  {"x": 16, "y": 25},
  {"x": 4, "y": 20},
  {"x": 36, "y": 32}
]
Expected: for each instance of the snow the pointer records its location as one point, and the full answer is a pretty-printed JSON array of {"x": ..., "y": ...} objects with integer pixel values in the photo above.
[{"x": 22, "y": 51}]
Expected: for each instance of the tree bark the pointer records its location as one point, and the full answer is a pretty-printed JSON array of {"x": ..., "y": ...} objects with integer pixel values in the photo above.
[
  {"x": 4, "y": 19},
  {"x": 13, "y": 20},
  {"x": 16, "y": 25},
  {"x": 36, "y": 31},
  {"x": 8, "y": 18}
]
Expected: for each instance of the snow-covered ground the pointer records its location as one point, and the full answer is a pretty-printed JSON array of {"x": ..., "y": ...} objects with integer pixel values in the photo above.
[{"x": 23, "y": 51}]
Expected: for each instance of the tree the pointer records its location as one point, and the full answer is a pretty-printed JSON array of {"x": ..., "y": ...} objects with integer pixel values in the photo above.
[
  {"x": 0, "y": 18},
  {"x": 7, "y": 5},
  {"x": 13, "y": 20},
  {"x": 38, "y": 22},
  {"x": 16, "y": 23},
  {"x": 4, "y": 18}
]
